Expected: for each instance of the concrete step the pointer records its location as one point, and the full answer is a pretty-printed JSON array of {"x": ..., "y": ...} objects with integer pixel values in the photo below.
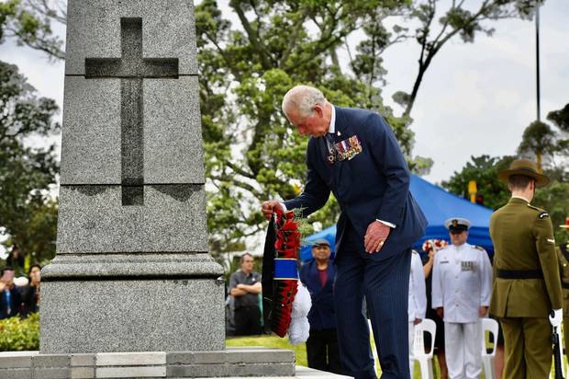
[{"x": 233, "y": 362}]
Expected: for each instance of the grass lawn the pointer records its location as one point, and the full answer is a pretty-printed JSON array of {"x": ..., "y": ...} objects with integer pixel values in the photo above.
[
  {"x": 273, "y": 342},
  {"x": 282, "y": 343}
]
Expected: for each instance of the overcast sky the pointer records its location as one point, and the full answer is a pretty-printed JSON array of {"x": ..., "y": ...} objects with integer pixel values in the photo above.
[{"x": 475, "y": 99}]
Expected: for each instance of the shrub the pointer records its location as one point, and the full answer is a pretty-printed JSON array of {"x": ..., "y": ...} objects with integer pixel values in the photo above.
[{"x": 19, "y": 335}]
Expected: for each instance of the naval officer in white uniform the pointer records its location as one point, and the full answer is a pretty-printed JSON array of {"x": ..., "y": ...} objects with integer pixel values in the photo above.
[{"x": 462, "y": 284}]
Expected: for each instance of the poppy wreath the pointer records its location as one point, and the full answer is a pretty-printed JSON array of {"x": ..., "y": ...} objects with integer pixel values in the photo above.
[{"x": 285, "y": 279}]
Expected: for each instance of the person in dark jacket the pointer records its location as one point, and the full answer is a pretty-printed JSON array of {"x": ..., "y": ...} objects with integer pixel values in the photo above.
[
  {"x": 31, "y": 292},
  {"x": 318, "y": 276},
  {"x": 10, "y": 298},
  {"x": 353, "y": 153}
]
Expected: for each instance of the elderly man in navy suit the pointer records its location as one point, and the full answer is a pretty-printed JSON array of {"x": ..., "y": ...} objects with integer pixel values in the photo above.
[{"x": 354, "y": 154}]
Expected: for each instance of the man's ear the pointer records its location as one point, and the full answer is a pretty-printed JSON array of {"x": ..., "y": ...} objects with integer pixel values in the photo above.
[{"x": 318, "y": 109}]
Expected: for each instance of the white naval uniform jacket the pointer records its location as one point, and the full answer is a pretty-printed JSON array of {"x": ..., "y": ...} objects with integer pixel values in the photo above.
[
  {"x": 417, "y": 289},
  {"x": 462, "y": 282}
]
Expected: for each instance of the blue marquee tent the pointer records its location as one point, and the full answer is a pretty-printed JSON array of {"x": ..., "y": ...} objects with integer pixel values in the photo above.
[{"x": 438, "y": 205}]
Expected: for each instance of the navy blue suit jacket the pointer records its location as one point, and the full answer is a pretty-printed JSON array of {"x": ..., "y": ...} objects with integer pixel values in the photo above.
[
  {"x": 372, "y": 185},
  {"x": 322, "y": 314},
  {"x": 15, "y": 303}
]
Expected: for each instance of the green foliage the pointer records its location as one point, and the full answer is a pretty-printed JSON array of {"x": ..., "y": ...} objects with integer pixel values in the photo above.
[
  {"x": 20, "y": 335},
  {"x": 484, "y": 171},
  {"x": 560, "y": 118},
  {"x": 28, "y": 22},
  {"x": 548, "y": 145},
  {"x": 248, "y": 62},
  {"x": 29, "y": 215},
  {"x": 541, "y": 141},
  {"x": 554, "y": 199},
  {"x": 252, "y": 153}
]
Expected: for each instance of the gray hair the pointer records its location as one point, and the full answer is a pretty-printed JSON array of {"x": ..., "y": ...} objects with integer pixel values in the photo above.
[{"x": 303, "y": 98}]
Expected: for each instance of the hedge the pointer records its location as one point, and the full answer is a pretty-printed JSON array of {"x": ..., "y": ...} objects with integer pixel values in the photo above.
[{"x": 20, "y": 335}]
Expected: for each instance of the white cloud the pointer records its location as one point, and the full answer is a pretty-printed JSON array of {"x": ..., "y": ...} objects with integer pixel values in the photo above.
[{"x": 478, "y": 98}]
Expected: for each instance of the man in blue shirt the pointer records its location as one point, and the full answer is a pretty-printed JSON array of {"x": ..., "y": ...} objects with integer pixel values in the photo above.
[{"x": 318, "y": 276}]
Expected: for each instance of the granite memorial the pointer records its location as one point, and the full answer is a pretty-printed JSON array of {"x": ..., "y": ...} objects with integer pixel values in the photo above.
[
  {"x": 133, "y": 291},
  {"x": 132, "y": 270}
]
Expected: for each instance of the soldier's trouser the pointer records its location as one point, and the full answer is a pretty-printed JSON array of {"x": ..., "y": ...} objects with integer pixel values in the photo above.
[
  {"x": 463, "y": 347},
  {"x": 527, "y": 345},
  {"x": 566, "y": 334}
]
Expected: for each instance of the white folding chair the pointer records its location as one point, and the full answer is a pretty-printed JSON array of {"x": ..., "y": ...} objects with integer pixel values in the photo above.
[
  {"x": 489, "y": 350},
  {"x": 420, "y": 354}
]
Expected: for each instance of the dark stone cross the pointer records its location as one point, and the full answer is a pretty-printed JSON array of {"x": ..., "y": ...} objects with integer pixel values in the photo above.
[{"x": 132, "y": 68}]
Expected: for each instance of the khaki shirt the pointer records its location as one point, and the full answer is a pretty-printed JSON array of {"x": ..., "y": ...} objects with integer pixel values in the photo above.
[{"x": 523, "y": 240}]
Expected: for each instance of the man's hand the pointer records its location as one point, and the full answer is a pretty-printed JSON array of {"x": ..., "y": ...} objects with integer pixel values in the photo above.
[
  {"x": 417, "y": 321},
  {"x": 375, "y": 237},
  {"x": 482, "y": 311},
  {"x": 555, "y": 317},
  {"x": 268, "y": 207}
]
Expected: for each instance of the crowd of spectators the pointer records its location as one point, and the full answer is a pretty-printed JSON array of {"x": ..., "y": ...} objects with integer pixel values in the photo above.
[{"x": 19, "y": 286}]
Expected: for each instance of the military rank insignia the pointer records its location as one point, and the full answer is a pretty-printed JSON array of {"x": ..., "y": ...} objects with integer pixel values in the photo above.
[{"x": 467, "y": 266}]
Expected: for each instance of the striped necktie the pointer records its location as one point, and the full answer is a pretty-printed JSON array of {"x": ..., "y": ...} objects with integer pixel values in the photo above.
[{"x": 332, "y": 154}]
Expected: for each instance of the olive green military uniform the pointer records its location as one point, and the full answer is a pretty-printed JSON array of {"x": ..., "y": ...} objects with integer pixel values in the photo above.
[
  {"x": 526, "y": 287},
  {"x": 563, "y": 255}
]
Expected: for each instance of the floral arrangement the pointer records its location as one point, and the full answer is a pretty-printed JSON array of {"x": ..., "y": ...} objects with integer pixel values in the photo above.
[
  {"x": 437, "y": 244},
  {"x": 287, "y": 246}
]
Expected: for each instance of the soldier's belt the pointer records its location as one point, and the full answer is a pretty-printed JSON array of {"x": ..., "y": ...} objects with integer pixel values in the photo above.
[{"x": 520, "y": 274}]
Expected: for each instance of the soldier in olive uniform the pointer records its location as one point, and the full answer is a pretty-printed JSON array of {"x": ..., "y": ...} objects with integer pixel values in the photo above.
[
  {"x": 527, "y": 286},
  {"x": 563, "y": 255}
]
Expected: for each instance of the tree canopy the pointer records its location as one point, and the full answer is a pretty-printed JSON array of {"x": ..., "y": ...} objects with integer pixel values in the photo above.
[
  {"x": 27, "y": 213},
  {"x": 29, "y": 23},
  {"x": 252, "y": 53},
  {"x": 484, "y": 170}
]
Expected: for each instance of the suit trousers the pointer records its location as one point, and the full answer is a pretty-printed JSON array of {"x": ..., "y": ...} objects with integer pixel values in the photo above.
[
  {"x": 385, "y": 286},
  {"x": 411, "y": 330},
  {"x": 527, "y": 345},
  {"x": 322, "y": 351},
  {"x": 248, "y": 320},
  {"x": 463, "y": 343}
]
